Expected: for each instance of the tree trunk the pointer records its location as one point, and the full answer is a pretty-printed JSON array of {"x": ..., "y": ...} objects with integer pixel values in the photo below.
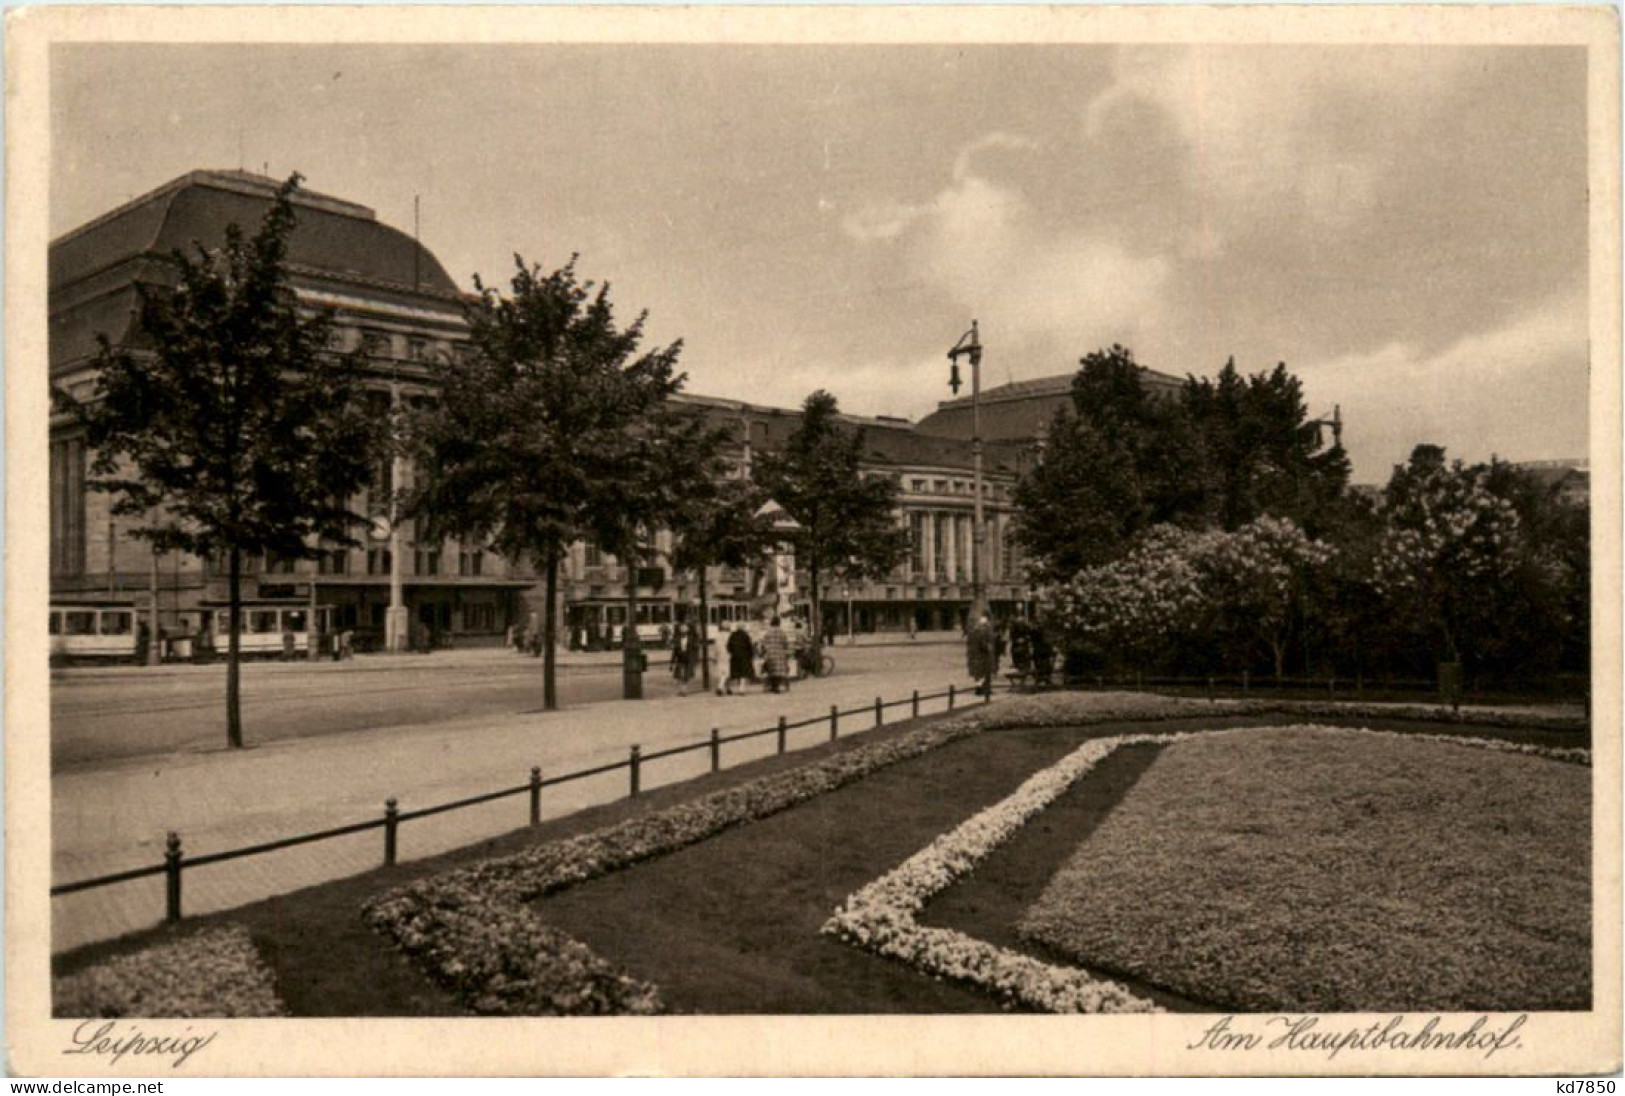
[
  {"x": 817, "y": 617},
  {"x": 234, "y": 620},
  {"x": 550, "y": 628},
  {"x": 705, "y": 636},
  {"x": 1278, "y": 649},
  {"x": 630, "y": 643}
]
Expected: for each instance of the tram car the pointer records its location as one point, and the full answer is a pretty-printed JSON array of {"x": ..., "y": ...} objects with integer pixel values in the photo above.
[
  {"x": 267, "y": 629},
  {"x": 93, "y": 633}
]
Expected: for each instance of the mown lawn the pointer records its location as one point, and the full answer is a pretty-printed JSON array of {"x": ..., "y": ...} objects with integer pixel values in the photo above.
[{"x": 1301, "y": 871}]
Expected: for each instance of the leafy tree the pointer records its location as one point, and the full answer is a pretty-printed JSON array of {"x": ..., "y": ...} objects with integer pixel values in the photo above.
[
  {"x": 227, "y": 427},
  {"x": 1447, "y": 541},
  {"x": 717, "y": 525},
  {"x": 847, "y": 519},
  {"x": 1256, "y": 577},
  {"x": 1118, "y": 461},
  {"x": 540, "y": 425},
  {"x": 1259, "y": 454}
]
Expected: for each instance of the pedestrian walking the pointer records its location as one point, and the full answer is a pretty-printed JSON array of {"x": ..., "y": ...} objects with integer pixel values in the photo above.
[
  {"x": 776, "y": 657},
  {"x": 982, "y": 655},
  {"x": 741, "y": 667}
]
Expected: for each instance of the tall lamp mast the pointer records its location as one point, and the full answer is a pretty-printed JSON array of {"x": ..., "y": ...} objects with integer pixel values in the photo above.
[{"x": 970, "y": 346}]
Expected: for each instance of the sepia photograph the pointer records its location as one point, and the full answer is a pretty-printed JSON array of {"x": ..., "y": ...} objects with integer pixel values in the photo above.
[{"x": 758, "y": 541}]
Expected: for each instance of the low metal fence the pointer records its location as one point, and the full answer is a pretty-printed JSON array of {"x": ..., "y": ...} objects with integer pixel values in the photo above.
[{"x": 175, "y": 862}]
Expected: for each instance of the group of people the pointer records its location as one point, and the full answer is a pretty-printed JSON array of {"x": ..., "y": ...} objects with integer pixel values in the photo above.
[
  {"x": 1031, "y": 652},
  {"x": 783, "y": 656}
]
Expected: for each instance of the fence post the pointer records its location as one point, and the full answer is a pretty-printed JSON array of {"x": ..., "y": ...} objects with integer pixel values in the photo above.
[
  {"x": 172, "y": 873},
  {"x": 392, "y": 823},
  {"x": 880, "y": 716},
  {"x": 915, "y": 710},
  {"x": 950, "y": 697},
  {"x": 535, "y": 795},
  {"x": 781, "y": 734},
  {"x": 716, "y": 749},
  {"x": 834, "y": 721},
  {"x": 634, "y": 763}
]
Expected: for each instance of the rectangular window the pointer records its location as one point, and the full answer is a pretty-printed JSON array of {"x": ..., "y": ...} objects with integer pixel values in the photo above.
[
  {"x": 79, "y": 622},
  {"x": 117, "y": 623},
  {"x": 262, "y": 622},
  {"x": 293, "y": 620},
  {"x": 470, "y": 563},
  {"x": 916, "y": 544},
  {"x": 426, "y": 561},
  {"x": 334, "y": 562},
  {"x": 67, "y": 501},
  {"x": 417, "y": 350},
  {"x": 378, "y": 561},
  {"x": 592, "y": 555},
  {"x": 939, "y": 552},
  {"x": 278, "y": 565},
  {"x": 56, "y": 624}
]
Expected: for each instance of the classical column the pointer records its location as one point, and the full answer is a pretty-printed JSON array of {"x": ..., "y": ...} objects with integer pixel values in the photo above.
[{"x": 953, "y": 548}]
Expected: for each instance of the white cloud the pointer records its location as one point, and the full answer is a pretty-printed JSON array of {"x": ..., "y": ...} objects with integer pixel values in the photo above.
[
  {"x": 1518, "y": 391},
  {"x": 983, "y": 243},
  {"x": 1249, "y": 119}
]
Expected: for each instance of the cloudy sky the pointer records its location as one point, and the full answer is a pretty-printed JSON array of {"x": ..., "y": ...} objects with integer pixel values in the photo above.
[{"x": 1405, "y": 227}]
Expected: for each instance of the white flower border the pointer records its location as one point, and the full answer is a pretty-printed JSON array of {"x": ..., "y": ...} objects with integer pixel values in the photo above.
[{"x": 881, "y": 916}]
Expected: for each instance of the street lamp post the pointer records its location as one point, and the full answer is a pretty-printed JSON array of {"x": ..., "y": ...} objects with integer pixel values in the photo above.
[
  {"x": 395, "y": 618},
  {"x": 970, "y": 345}
]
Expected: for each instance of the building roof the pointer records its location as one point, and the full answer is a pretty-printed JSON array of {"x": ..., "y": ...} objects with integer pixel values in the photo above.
[
  {"x": 888, "y": 441},
  {"x": 1021, "y": 410},
  {"x": 332, "y": 236},
  {"x": 93, "y": 270}
]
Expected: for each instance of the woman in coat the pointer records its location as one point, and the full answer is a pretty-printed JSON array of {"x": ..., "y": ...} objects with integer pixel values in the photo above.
[
  {"x": 982, "y": 655},
  {"x": 776, "y": 657},
  {"x": 741, "y": 659}
]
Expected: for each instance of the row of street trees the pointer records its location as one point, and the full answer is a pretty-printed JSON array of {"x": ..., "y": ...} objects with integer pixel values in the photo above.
[
  {"x": 228, "y": 428},
  {"x": 1214, "y": 531}
]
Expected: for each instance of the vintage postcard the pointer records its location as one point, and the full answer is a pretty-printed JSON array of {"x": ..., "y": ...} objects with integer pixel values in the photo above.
[{"x": 774, "y": 541}]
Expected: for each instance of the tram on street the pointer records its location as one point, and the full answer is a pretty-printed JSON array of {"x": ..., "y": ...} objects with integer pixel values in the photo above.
[
  {"x": 99, "y": 633},
  {"x": 268, "y": 629}
]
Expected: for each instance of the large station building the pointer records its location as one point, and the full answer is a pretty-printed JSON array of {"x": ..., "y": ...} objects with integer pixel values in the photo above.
[{"x": 389, "y": 292}]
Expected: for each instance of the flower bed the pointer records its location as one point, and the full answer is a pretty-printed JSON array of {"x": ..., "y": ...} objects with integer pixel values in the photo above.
[
  {"x": 471, "y": 930},
  {"x": 1070, "y": 708},
  {"x": 524, "y": 970},
  {"x": 882, "y": 916},
  {"x": 215, "y": 974},
  {"x": 1334, "y": 869}
]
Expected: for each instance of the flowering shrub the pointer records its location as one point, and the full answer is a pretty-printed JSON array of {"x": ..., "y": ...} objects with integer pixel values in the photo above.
[
  {"x": 217, "y": 973},
  {"x": 881, "y": 916},
  {"x": 1181, "y": 582}
]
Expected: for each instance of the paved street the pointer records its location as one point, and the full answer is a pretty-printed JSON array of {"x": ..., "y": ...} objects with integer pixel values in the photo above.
[
  {"x": 113, "y": 714},
  {"x": 331, "y": 742}
]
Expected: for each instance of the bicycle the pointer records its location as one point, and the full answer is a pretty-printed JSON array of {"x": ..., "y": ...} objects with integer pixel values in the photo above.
[{"x": 816, "y": 665}]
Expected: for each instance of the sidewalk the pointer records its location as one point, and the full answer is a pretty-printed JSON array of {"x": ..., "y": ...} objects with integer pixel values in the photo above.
[
  {"x": 115, "y": 819},
  {"x": 452, "y": 658}
]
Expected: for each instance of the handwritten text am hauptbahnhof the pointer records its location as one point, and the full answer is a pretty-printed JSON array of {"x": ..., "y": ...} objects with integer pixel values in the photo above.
[{"x": 1318, "y": 1035}]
